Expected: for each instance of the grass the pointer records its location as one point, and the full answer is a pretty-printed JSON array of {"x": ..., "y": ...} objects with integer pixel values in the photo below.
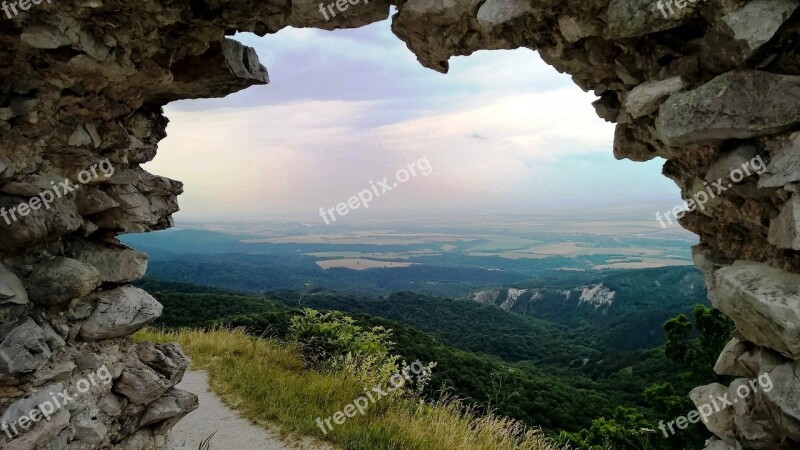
[{"x": 267, "y": 382}]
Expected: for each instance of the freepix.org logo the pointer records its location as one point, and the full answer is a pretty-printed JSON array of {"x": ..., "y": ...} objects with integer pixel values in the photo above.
[{"x": 10, "y": 8}]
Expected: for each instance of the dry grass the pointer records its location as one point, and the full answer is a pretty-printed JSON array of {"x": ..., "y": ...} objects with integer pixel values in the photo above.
[{"x": 267, "y": 382}]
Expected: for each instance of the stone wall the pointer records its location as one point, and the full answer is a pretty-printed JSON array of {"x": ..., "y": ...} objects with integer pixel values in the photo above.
[{"x": 708, "y": 86}]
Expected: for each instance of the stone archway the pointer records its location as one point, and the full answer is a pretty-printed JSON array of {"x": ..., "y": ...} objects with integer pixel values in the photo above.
[{"x": 708, "y": 85}]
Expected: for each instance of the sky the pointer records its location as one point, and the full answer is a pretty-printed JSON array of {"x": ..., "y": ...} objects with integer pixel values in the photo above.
[{"x": 502, "y": 131}]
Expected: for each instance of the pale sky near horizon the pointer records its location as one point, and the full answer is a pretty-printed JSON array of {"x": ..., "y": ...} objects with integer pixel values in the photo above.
[{"x": 502, "y": 132}]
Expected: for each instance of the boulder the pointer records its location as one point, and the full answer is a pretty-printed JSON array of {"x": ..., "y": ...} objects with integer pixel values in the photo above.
[
  {"x": 174, "y": 405},
  {"x": 757, "y": 22},
  {"x": 630, "y": 18},
  {"x": 727, "y": 362},
  {"x": 735, "y": 105},
  {"x": 11, "y": 289},
  {"x": 166, "y": 359},
  {"x": 784, "y": 168},
  {"x": 89, "y": 429},
  {"x": 116, "y": 263},
  {"x": 24, "y": 349},
  {"x": 784, "y": 230},
  {"x": 645, "y": 99},
  {"x": 498, "y": 12},
  {"x": 720, "y": 421},
  {"x": 120, "y": 312},
  {"x": 61, "y": 280},
  {"x": 141, "y": 384},
  {"x": 783, "y": 400},
  {"x": 764, "y": 302},
  {"x": 727, "y": 162}
]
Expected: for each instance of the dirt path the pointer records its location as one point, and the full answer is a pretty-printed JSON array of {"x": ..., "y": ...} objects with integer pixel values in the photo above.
[{"x": 232, "y": 430}]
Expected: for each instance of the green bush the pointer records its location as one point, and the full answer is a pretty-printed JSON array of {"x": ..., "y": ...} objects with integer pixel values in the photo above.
[{"x": 327, "y": 338}]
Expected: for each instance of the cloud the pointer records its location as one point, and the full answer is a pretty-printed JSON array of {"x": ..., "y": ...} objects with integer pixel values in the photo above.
[{"x": 502, "y": 130}]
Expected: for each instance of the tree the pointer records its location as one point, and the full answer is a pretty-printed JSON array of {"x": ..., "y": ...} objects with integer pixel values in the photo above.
[{"x": 697, "y": 346}]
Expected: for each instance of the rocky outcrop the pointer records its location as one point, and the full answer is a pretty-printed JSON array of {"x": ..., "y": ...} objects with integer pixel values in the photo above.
[{"x": 704, "y": 85}]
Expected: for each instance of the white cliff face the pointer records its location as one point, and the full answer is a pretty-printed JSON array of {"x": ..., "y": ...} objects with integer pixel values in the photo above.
[
  {"x": 86, "y": 81},
  {"x": 597, "y": 295}
]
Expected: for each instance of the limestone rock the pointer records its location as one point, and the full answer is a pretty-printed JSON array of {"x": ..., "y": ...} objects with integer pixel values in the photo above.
[
  {"x": 92, "y": 201},
  {"x": 44, "y": 433},
  {"x": 24, "y": 349},
  {"x": 629, "y": 18},
  {"x": 120, "y": 312},
  {"x": 727, "y": 361},
  {"x": 716, "y": 444},
  {"x": 783, "y": 400},
  {"x": 719, "y": 422},
  {"x": 645, "y": 99},
  {"x": 758, "y": 21},
  {"x": 166, "y": 359},
  {"x": 62, "y": 279},
  {"x": 497, "y": 12},
  {"x": 176, "y": 404},
  {"x": 116, "y": 263},
  {"x": 88, "y": 429},
  {"x": 764, "y": 302},
  {"x": 784, "y": 168},
  {"x": 784, "y": 230},
  {"x": 735, "y": 105},
  {"x": 726, "y": 163},
  {"x": 45, "y": 37},
  {"x": 140, "y": 384},
  {"x": 11, "y": 289}
]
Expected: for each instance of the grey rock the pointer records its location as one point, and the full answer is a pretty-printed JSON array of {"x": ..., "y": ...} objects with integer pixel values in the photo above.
[
  {"x": 45, "y": 37},
  {"x": 783, "y": 399},
  {"x": 120, "y": 312},
  {"x": 24, "y": 349},
  {"x": 166, "y": 359},
  {"x": 784, "y": 230},
  {"x": 735, "y": 105},
  {"x": 645, "y": 99},
  {"x": 92, "y": 201},
  {"x": 42, "y": 434},
  {"x": 177, "y": 403},
  {"x": 79, "y": 137},
  {"x": 784, "y": 168},
  {"x": 764, "y": 302},
  {"x": 24, "y": 406},
  {"x": 141, "y": 384},
  {"x": 11, "y": 289},
  {"x": 726, "y": 163},
  {"x": 498, "y": 12},
  {"x": 88, "y": 429},
  {"x": 727, "y": 362},
  {"x": 718, "y": 422},
  {"x": 630, "y": 18},
  {"x": 110, "y": 405},
  {"x": 61, "y": 280},
  {"x": 758, "y": 21},
  {"x": 716, "y": 444},
  {"x": 116, "y": 263}
]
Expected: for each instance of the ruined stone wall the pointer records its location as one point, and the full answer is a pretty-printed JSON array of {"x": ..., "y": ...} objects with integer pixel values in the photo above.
[{"x": 708, "y": 85}]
